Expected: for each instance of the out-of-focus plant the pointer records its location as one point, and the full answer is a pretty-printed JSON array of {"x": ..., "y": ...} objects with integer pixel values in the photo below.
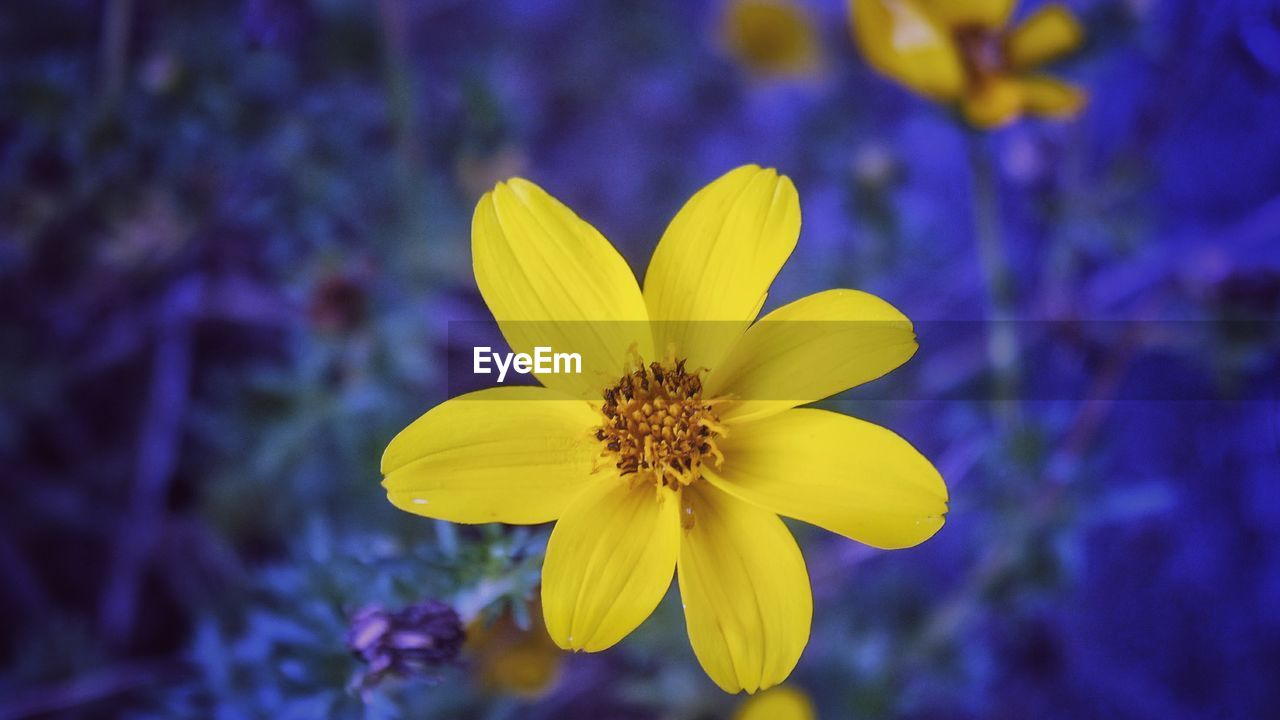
[
  {"x": 364, "y": 628},
  {"x": 963, "y": 52},
  {"x": 408, "y": 642},
  {"x": 771, "y": 38}
]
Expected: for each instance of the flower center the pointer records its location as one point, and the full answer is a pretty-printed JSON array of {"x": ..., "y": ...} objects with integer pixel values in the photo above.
[
  {"x": 981, "y": 51},
  {"x": 657, "y": 427}
]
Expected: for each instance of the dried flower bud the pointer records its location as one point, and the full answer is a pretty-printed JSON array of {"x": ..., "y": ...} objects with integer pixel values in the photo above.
[
  {"x": 339, "y": 303},
  {"x": 407, "y": 643}
]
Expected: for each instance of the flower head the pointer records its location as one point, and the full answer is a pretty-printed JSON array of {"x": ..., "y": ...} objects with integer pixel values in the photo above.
[
  {"x": 409, "y": 642},
  {"x": 963, "y": 51},
  {"x": 771, "y": 37},
  {"x": 681, "y": 442},
  {"x": 511, "y": 659}
]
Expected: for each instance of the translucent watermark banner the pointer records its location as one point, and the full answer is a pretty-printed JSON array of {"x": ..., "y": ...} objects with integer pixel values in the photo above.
[{"x": 801, "y": 361}]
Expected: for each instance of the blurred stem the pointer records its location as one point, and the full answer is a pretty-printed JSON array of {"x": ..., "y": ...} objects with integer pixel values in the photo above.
[
  {"x": 395, "y": 31},
  {"x": 117, "y": 25},
  {"x": 1072, "y": 203},
  {"x": 1002, "y": 558},
  {"x": 1002, "y": 340},
  {"x": 159, "y": 441},
  {"x": 413, "y": 214}
]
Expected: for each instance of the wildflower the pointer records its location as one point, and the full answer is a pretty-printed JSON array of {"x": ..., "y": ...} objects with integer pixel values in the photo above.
[
  {"x": 518, "y": 661},
  {"x": 407, "y": 643},
  {"x": 683, "y": 460},
  {"x": 962, "y": 51},
  {"x": 780, "y": 703},
  {"x": 771, "y": 37}
]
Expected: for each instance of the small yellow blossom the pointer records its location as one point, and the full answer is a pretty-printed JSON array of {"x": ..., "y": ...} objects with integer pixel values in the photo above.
[
  {"x": 771, "y": 37},
  {"x": 509, "y": 659},
  {"x": 962, "y": 51},
  {"x": 681, "y": 465},
  {"x": 780, "y": 703}
]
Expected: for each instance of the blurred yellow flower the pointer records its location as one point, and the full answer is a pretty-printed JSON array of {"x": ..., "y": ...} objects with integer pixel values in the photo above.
[
  {"x": 512, "y": 660},
  {"x": 688, "y": 461},
  {"x": 771, "y": 37},
  {"x": 962, "y": 51},
  {"x": 780, "y": 703}
]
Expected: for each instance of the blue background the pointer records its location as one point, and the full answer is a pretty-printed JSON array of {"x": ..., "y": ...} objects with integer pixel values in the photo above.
[{"x": 232, "y": 235}]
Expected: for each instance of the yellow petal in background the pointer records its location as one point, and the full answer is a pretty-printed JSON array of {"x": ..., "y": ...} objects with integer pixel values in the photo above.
[
  {"x": 475, "y": 459},
  {"x": 780, "y": 703},
  {"x": 837, "y": 472},
  {"x": 745, "y": 589},
  {"x": 712, "y": 269},
  {"x": 1044, "y": 95},
  {"x": 609, "y": 562},
  {"x": 989, "y": 14},
  {"x": 997, "y": 101},
  {"x": 1049, "y": 33},
  {"x": 551, "y": 279},
  {"x": 901, "y": 40},
  {"x": 810, "y": 349}
]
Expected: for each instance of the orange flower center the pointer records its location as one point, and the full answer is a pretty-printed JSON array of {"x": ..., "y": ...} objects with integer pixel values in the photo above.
[
  {"x": 981, "y": 52},
  {"x": 657, "y": 427}
]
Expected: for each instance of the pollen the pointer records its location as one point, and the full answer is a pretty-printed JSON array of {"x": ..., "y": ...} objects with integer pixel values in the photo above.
[{"x": 657, "y": 427}]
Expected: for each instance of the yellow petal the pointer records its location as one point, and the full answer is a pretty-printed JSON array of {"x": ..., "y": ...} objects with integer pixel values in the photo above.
[
  {"x": 711, "y": 271},
  {"x": 990, "y": 14},
  {"x": 609, "y": 561},
  {"x": 747, "y": 601},
  {"x": 552, "y": 280},
  {"x": 1049, "y": 33},
  {"x": 780, "y": 703},
  {"x": 997, "y": 101},
  {"x": 810, "y": 349},
  {"x": 903, "y": 41},
  {"x": 837, "y": 472},
  {"x": 514, "y": 455},
  {"x": 1044, "y": 95}
]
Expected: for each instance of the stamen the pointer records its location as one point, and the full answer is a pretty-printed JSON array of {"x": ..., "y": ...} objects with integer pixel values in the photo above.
[{"x": 656, "y": 426}]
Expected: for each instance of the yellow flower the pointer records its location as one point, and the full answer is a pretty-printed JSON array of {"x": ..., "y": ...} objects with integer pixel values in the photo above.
[
  {"x": 780, "y": 703},
  {"x": 961, "y": 51},
  {"x": 771, "y": 37},
  {"x": 521, "y": 662},
  {"x": 684, "y": 464}
]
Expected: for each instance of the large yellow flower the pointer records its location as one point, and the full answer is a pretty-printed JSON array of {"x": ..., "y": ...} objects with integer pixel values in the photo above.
[
  {"x": 962, "y": 51},
  {"x": 684, "y": 464}
]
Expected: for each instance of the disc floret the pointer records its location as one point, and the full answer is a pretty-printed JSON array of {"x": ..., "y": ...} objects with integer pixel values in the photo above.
[{"x": 657, "y": 427}]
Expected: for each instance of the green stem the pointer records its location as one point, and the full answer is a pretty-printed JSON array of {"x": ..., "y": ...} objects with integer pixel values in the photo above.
[
  {"x": 412, "y": 217},
  {"x": 395, "y": 19},
  {"x": 1002, "y": 340}
]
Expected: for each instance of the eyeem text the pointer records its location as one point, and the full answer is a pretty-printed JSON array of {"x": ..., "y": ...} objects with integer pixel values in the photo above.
[{"x": 542, "y": 362}]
